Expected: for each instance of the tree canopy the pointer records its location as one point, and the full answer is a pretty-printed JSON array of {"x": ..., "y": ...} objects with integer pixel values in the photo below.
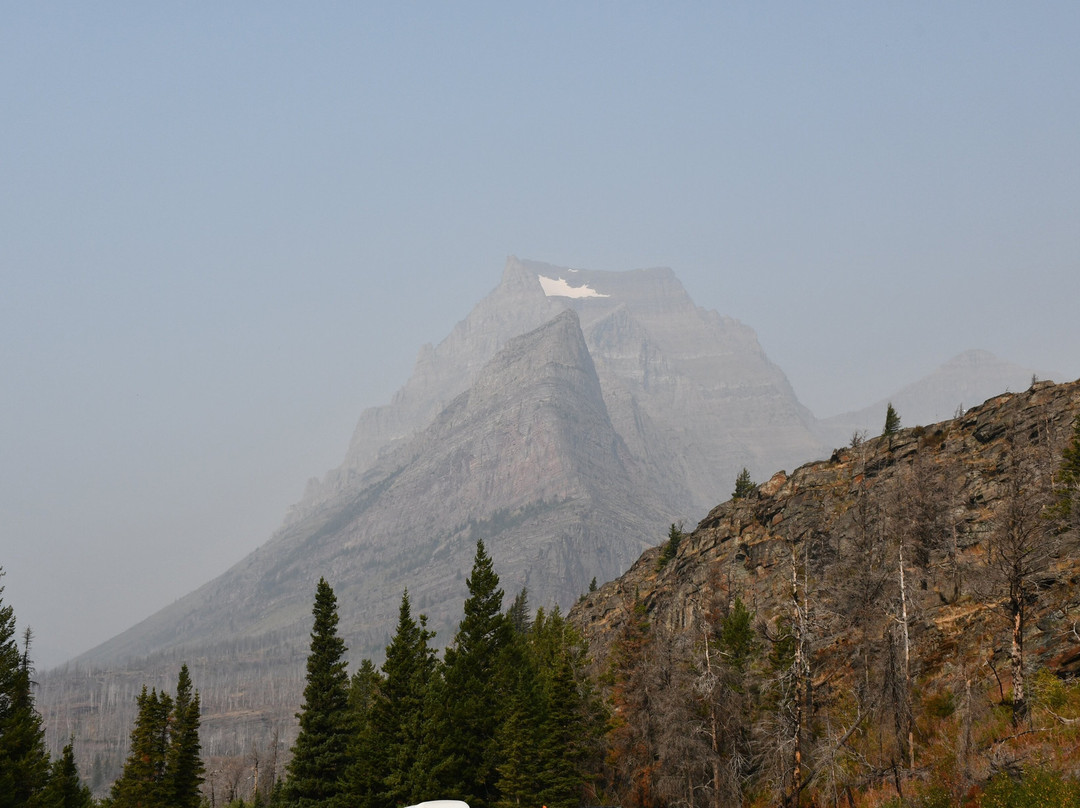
[{"x": 320, "y": 755}]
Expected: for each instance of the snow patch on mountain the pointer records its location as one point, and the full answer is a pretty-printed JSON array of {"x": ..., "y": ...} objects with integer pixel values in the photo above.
[{"x": 559, "y": 287}]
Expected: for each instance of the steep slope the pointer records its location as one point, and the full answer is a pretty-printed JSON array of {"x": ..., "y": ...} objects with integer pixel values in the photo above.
[
  {"x": 692, "y": 392},
  {"x": 517, "y": 305},
  {"x": 915, "y": 582},
  {"x": 958, "y": 470},
  {"x": 566, "y": 421}
]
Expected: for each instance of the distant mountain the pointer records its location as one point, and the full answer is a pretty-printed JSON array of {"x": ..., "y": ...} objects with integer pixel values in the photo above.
[
  {"x": 526, "y": 459},
  {"x": 568, "y": 449},
  {"x": 963, "y": 382},
  {"x": 691, "y": 392}
]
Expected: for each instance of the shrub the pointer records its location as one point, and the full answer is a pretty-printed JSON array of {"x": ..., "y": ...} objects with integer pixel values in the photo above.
[{"x": 1038, "y": 788}]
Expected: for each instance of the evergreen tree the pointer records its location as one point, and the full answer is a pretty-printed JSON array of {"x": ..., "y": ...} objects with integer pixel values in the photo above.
[
  {"x": 570, "y": 720},
  {"x": 671, "y": 547},
  {"x": 892, "y": 421},
  {"x": 401, "y": 713},
  {"x": 164, "y": 768},
  {"x": 518, "y": 613},
  {"x": 65, "y": 790},
  {"x": 516, "y": 739},
  {"x": 320, "y": 754},
  {"x": 477, "y": 687},
  {"x": 561, "y": 732},
  {"x": 9, "y": 682},
  {"x": 744, "y": 486},
  {"x": 24, "y": 761},
  {"x": 144, "y": 782},
  {"x": 184, "y": 760},
  {"x": 363, "y": 781},
  {"x": 738, "y": 640}
]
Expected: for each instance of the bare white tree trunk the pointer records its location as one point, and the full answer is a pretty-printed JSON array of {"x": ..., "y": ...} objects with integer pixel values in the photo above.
[{"x": 907, "y": 659}]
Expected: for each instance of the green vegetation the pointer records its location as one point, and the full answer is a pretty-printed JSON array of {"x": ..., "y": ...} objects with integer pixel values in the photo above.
[
  {"x": 506, "y": 718},
  {"x": 671, "y": 546},
  {"x": 320, "y": 755},
  {"x": 27, "y": 778},
  {"x": 1036, "y": 789},
  {"x": 892, "y": 421},
  {"x": 1066, "y": 505},
  {"x": 164, "y": 768},
  {"x": 848, "y": 691},
  {"x": 744, "y": 486}
]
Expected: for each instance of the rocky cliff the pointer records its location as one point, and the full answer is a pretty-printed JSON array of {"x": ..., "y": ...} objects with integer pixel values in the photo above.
[
  {"x": 945, "y": 491},
  {"x": 526, "y": 459}
]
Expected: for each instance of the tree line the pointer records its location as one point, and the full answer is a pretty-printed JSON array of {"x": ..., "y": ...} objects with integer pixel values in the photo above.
[{"x": 506, "y": 717}]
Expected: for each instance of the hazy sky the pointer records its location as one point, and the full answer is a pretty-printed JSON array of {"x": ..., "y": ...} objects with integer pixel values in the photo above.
[{"x": 226, "y": 228}]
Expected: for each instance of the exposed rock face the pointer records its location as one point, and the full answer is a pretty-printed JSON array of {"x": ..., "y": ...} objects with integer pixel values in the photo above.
[
  {"x": 566, "y": 421},
  {"x": 955, "y": 475},
  {"x": 692, "y": 393},
  {"x": 516, "y": 306}
]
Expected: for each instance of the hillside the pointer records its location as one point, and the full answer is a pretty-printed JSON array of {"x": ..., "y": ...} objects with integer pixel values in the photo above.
[{"x": 928, "y": 545}]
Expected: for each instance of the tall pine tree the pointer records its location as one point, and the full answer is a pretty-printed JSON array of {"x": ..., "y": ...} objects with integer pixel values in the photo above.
[
  {"x": 65, "y": 790},
  {"x": 363, "y": 778},
  {"x": 184, "y": 761},
  {"x": 517, "y": 735},
  {"x": 320, "y": 755},
  {"x": 571, "y": 723},
  {"x": 144, "y": 782},
  {"x": 477, "y": 687},
  {"x": 24, "y": 761},
  {"x": 402, "y": 717},
  {"x": 164, "y": 768}
]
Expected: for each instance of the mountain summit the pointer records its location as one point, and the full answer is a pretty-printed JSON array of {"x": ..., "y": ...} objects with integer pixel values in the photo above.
[{"x": 691, "y": 392}]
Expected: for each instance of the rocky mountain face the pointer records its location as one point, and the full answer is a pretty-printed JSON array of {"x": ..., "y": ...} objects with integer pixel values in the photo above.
[
  {"x": 691, "y": 393},
  {"x": 947, "y": 491}
]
